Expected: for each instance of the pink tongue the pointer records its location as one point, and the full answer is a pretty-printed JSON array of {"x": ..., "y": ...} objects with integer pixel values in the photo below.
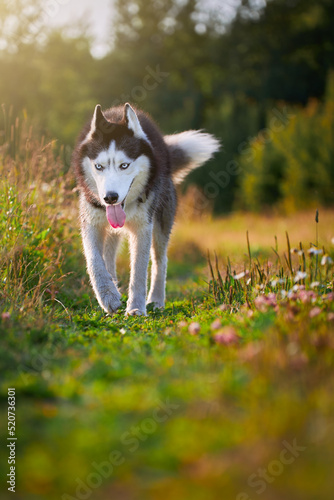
[{"x": 116, "y": 215}]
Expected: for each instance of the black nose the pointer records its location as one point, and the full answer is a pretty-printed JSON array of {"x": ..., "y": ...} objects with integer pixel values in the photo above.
[{"x": 111, "y": 198}]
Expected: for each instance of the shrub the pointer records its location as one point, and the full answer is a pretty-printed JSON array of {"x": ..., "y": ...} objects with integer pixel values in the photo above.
[{"x": 292, "y": 166}]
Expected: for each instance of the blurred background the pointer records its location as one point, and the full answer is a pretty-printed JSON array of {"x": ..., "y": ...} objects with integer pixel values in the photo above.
[{"x": 257, "y": 74}]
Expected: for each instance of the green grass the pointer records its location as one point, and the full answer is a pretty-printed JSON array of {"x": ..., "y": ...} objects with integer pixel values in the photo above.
[{"x": 200, "y": 401}]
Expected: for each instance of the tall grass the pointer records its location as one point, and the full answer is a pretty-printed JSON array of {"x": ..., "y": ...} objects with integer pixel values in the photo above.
[
  {"x": 35, "y": 196},
  {"x": 294, "y": 270}
]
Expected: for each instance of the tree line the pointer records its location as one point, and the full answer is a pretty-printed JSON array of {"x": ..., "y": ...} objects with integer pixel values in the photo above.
[{"x": 188, "y": 66}]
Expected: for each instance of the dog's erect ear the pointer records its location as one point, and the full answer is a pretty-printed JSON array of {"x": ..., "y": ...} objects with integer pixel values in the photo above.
[
  {"x": 98, "y": 127},
  {"x": 98, "y": 116},
  {"x": 98, "y": 122},
  {"x": 132, "y": 122}
]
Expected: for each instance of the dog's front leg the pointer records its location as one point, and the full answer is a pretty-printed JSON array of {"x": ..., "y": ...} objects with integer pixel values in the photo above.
[
  {"x": 104, "y": 287},
  {"x": 140, "y": 245}
]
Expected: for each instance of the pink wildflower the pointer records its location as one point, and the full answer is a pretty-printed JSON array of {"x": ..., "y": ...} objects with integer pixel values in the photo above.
[
  {"x": 194, "y": 328},
  {"x": 314, "y": 312},
  {"x": 306, "y": 296},
  {"x": 226, "y": 336},
  {"x": 263, "y": 302},
  {"x": 182, "y": 324},
  {"x": 216, "y": 324}
]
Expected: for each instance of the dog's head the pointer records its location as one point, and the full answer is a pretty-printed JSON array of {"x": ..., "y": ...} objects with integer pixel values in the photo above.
[{"x": 115, "y": 161}]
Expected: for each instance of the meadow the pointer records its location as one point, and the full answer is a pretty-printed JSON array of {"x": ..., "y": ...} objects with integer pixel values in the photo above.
[{"x": 227, "y": 393}]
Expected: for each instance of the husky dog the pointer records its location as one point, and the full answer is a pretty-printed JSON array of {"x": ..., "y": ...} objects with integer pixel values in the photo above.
[{"x": 126, "y": 172}]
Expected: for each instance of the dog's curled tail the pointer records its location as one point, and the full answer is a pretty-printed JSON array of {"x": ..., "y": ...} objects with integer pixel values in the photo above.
[{"x": 189, "y": 150}]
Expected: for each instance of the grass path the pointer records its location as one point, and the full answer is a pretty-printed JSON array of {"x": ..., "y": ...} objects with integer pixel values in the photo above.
[{"x": 196, "y": 402}]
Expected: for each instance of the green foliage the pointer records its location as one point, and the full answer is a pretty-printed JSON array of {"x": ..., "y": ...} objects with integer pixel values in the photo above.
[{"x": 291, "y": 166}]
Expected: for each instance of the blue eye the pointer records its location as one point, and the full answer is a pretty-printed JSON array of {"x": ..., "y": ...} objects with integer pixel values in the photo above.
[
  {"x": 124, "y": 166},
  {"x": 98, "y": 166}
]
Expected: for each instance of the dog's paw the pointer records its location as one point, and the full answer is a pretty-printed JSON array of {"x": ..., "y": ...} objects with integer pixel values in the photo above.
[
  {"x": 136, "y": 312},
  {"x": 111, "y": 302},
  {"x": 153, "y": 305}
]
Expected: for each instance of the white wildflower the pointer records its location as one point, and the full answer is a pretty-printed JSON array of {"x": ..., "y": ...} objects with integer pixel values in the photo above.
[
  {"x": 277, "y": 281},
  {"x": 300, "y": 276},
  {"x": 326, "y": 260},
  {"x": 314, "y": 251}
]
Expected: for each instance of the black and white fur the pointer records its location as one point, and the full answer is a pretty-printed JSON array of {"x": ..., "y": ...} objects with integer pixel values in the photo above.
[{"x": 122, "y": 159}]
